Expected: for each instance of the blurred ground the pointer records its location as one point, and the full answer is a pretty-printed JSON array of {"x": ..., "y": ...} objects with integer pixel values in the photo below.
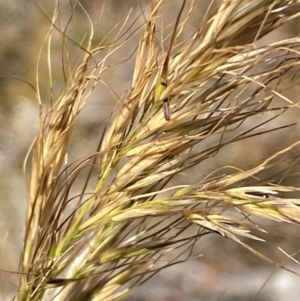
[{"x": 225, "y": 271}]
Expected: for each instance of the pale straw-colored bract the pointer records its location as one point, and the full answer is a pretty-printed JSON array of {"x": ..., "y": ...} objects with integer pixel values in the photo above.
[{"x": 105, "y": 242}]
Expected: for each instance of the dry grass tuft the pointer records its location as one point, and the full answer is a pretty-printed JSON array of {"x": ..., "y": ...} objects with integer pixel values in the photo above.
[{"x": 103, "y": 243}]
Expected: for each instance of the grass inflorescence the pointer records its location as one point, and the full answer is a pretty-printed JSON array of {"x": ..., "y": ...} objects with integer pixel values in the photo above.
[{"x": 189, "y": 97}]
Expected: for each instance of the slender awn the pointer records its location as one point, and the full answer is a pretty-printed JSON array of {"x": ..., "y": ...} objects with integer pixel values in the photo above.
[{"x": 162, "y": 82}]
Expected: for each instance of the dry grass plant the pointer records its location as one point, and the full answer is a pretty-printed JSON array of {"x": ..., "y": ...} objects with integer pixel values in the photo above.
[{"x": 103, "y": 243}]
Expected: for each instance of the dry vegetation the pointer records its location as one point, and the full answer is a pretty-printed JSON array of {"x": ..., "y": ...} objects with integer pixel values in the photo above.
[{"x": 99, "y": 226}]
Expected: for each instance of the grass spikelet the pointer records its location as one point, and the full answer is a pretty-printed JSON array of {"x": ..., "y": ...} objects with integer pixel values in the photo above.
[{"x": 189, "y": 98}]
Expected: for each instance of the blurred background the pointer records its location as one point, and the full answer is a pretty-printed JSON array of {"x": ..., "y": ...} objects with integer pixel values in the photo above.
[{"x": 219, "y": 269}]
